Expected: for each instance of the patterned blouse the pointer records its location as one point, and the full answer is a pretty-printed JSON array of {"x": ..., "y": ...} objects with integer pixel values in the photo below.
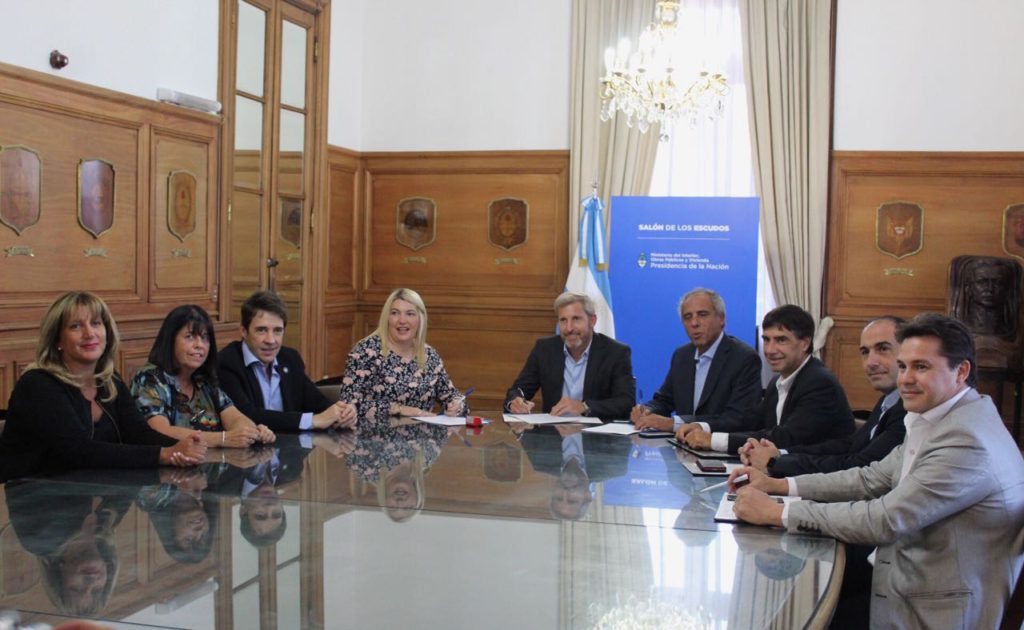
[
  {"x": 372, "y": 383},
  {"x": 157, "y": 393}
]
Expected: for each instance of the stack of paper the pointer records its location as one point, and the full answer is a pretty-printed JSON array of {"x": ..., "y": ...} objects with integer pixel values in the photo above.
[
  {"x": 614, "y": 428},
  {"x": 546, "y": 418}
]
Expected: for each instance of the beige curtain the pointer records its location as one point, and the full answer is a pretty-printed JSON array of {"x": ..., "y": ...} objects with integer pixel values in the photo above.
[
  {"x": 620, "y": 159},
  {"x": 786, "y": 50}
]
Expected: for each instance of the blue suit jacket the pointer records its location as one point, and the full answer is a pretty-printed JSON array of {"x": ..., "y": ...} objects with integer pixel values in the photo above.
[{"x": 731, "y": 391}]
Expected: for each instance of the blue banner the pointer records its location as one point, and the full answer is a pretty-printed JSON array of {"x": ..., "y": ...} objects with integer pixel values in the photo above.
[{"x": 661, "y": 247}]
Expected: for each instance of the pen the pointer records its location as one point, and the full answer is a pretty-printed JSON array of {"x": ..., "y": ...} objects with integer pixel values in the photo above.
[
  {"x": 468, "y": 392},
  {"x": 522, "y": 395},
  {"x": 742, "y": 480}
]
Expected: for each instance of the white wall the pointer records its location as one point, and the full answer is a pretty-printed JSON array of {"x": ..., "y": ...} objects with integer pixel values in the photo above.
[
  {"x": 345, "y": 99},
  {"x": 452, "y": 75},
  {"x": 492, "y": 74},
  {"x": 929, "y": 75},
  {"x": 131, "y": 46}
]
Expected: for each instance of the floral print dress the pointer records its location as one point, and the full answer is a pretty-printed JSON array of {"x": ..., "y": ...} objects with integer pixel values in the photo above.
[{"x": 372, "y": 382}]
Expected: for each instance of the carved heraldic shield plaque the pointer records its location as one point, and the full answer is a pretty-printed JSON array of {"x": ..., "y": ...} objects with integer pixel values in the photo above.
[
  {"x": 95, "y": 196},
  {"x": 20, "y": 188},
  {"x": 1013, "y": 230},
  {"x": 508, "y": 222},
  {"x": 416, "y": 222},
  {"x": 899, "y": 229},
  {"x": 181, "y": 204}
]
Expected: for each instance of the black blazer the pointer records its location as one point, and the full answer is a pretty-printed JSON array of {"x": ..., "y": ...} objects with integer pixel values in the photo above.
[
  {"x": 298, "y": 394},
  {"x": 816, "y": 410},
  {"x": 608, "y": 385},
  {"x": 731, "y": 391},
  {"x": 859, "y": 449},
  {"x": 49, "y": 430}
]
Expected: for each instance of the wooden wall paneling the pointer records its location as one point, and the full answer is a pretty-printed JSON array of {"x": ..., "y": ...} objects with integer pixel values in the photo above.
[
  {"x": 963, "y": 196},
  {"x": 106, "y": 263},
  {"x": 340, "y": 335},
  {"x": 65, "y": 122},
  {"x": 486, "y": 305},
  {"x": 342, "y": 222},
  {"x": 486, "y": 348},
  {"x": 337, "y": 265},
  {"x": 843, "y": 355},
  {"x": 14, "y": 360},
  {"x": 183, "y": 269},
  {"x": 85, "y": 121},
  {"x": 134, "y": 355},
  {"x": 461, "y": 261}
]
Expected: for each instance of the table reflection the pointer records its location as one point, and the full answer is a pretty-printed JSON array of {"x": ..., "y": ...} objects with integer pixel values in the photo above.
[{"x": 403, "y": 523}]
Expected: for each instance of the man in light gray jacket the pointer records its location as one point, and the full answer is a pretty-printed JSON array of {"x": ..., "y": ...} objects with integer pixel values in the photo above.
[{"x": 946, "y": 508}]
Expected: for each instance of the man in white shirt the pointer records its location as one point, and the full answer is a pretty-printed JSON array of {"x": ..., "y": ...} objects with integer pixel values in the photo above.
[
  {"x": 804, "y": 404},
  {"x": 946, "y": 508}
]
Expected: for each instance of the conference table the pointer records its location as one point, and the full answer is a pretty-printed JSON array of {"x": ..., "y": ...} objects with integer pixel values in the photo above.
[{"x": 401, "y": 524}]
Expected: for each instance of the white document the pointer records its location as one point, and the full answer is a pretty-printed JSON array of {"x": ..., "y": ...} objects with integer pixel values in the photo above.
[
  {"x": 546, "y": 418},
  {"x": 697, "y": 472},
  {"x": 726, "y": 515},
  {"x": 445, "y": 421},
  {"x": 613, "y": 428}
]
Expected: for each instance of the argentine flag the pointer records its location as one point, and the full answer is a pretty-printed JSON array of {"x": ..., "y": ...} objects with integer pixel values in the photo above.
[{"x": 588, "y": 273}]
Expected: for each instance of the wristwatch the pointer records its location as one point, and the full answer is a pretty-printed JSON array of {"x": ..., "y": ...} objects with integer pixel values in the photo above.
[{"x": 586, "y": 409}]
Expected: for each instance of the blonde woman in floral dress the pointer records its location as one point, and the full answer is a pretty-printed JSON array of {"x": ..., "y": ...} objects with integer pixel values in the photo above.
[{"x": 393, "y": 372}]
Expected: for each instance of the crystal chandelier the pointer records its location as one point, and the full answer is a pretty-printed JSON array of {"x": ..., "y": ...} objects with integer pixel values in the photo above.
[{"x": 642, "y": 85}]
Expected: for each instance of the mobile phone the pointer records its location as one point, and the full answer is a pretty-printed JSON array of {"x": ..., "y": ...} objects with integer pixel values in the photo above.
[
  {"x": 711, "y": 466},
  {"x": 674, "y": 442},
  {"x": 654, "y": 433}
]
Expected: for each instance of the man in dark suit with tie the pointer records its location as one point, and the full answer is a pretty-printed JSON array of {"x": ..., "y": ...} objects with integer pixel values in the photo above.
[
  {"x": 804, "y": 404},
  {"x": 883, "y": 431},
  {"x": 267, "y": 381},
  {"x": 714, "y": 377},
  {"x": 579, "y": 372}
]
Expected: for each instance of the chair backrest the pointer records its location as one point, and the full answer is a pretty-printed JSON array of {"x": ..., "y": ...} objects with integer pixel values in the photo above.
[
  {"x": 332, "y": 392},
  {"x": 860, "y": 417},
  {"x": 1013, "y": 616}
]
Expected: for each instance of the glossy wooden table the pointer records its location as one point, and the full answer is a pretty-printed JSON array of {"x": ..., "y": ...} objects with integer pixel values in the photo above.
[{"x": 408, "y": 525}]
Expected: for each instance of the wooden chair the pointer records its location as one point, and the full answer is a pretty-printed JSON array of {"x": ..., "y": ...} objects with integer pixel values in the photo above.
[{"x": 330, "y": 387}]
